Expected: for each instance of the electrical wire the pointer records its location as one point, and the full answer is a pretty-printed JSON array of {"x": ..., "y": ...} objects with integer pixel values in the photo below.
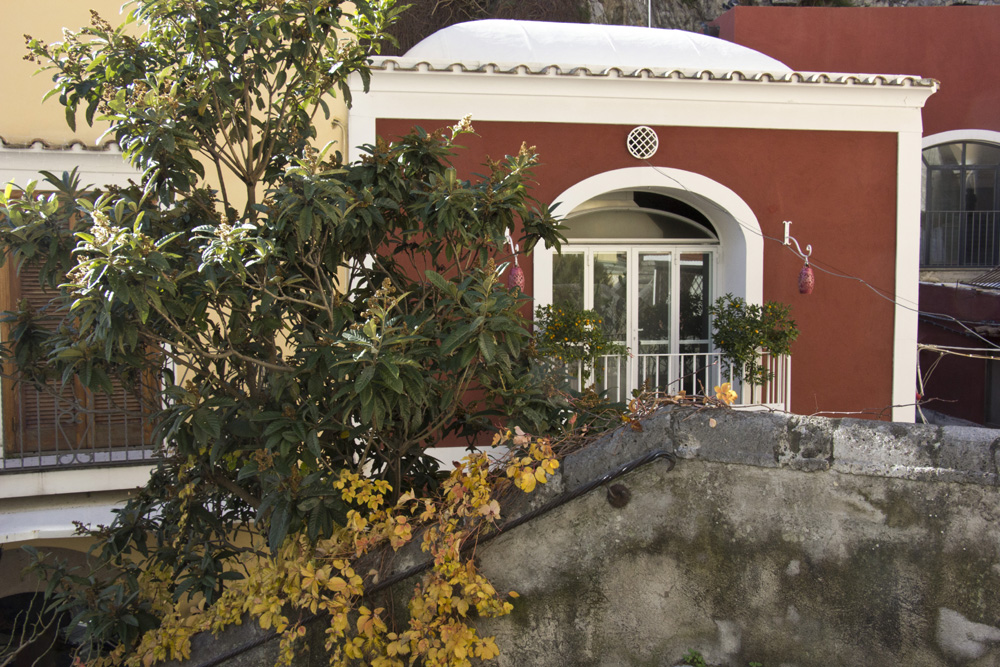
[
  {"x": 944, "y": 350},
  {"x": 959, "y": 348}
]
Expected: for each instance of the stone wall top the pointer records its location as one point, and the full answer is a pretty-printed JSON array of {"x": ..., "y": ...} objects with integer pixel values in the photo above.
[{"x": 777, "y": 440}]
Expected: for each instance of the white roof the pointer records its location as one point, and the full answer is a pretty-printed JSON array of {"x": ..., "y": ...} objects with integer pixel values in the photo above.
[{"x": 595, "y": 46}]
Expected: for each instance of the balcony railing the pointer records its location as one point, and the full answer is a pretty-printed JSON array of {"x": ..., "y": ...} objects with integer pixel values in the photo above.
[
  {"x": 697, "y": 373},
  {"x": 959, "y": 239},
  {"x": 52, "y": 429}
]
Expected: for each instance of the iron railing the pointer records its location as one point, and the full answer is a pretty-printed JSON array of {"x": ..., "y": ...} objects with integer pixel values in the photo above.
[
  {"x": 697, "y": 373},
  {"x": 959, "y": 239},
  {"x": 47, "y": 429}
]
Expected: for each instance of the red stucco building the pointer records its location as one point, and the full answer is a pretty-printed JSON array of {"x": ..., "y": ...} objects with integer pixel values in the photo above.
[
  {"x": 960, "y": 179},
  {"x": 742, "y": 144}
]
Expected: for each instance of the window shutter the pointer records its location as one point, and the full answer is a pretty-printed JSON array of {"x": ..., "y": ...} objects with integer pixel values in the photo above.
[
  {"x": 42, "y": 420},
  {"x": 64, "y": 419}
]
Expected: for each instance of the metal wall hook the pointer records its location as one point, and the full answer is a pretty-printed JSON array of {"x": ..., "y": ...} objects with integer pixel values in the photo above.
[
  {"x": 789, "y": 240},
  {"x": 514, "y": 247}
]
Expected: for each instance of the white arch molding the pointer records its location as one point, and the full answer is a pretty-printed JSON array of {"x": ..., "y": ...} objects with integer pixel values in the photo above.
[
  {"x": 740, "y": 259},
  {"x": 951, "y": 136}
]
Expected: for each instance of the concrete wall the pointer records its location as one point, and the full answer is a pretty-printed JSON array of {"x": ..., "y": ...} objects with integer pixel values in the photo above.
[
  {"x": 789, "y": 541},
  {"x": 782, "y": 540}
]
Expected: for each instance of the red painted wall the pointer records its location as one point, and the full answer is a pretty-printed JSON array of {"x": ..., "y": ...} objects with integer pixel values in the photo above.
[
  {"x": 957, "y": 45},
  {"x": 957, "y": 385},
  {"x": 838, "y": 188}
]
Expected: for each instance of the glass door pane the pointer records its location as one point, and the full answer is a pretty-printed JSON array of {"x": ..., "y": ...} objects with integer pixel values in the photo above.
[
  {"x": 697, "y": 373},
  {"x": 610, "y": 298},
  {"x": 942, "y": 221},
  {"x": 654, "y": 317},
  {"x": 567, "y": 280},
  {"x": 982, "y": 236}
]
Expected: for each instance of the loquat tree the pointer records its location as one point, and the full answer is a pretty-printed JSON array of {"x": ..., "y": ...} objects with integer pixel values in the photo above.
[{"x": 286, "y": 318}]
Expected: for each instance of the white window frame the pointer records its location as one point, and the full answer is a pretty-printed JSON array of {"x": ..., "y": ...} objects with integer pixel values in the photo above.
[{"x": 634, "y": 247}]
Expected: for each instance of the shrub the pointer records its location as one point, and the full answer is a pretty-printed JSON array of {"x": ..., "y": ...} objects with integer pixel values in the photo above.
[
  {"x": 742, "y": 331},
  {"x": 569, "y": 336}
]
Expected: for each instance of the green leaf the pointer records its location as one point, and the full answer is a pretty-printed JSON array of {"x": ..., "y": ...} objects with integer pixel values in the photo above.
[
  {"x": 487, "y": 346},
  {"x": 367, "y": 398},
  {"x": 364, "y": 378},
  {"x": 392, "y": 380},
  {"x": 460, "y": 335},
  {"x": 280, "y": 519},
  {"x": 247, "y": 471},
  {"x": 312, "y": 444},
  {"x": 241, "y": 44},
  {"x": 305, "y": 224},
  {"x": 438, "y": 281}
]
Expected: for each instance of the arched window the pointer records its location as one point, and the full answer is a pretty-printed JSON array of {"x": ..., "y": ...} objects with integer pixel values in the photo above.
[
  {"x": 645, "y": 263},
  {"x": 961, "y": 205},
  {"x": 650, "y": 248}
]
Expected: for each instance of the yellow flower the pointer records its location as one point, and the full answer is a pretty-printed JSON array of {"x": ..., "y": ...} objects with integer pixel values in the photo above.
[{"x": 725, "y": 393}]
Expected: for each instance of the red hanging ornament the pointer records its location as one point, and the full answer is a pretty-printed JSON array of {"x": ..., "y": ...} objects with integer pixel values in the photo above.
[
  {"x": 807, "y": 279},
  {"x": 516, "y": 277}
]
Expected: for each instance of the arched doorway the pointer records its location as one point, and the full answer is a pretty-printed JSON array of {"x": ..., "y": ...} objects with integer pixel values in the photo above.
[{"x": 650, "y": 249}]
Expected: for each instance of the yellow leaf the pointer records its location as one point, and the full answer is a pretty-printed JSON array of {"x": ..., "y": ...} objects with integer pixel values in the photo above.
[
  {"x": 725, "y": 393},
  {"x": 490, "y": 510},
  {"x": 488, "y": 649},
  {"x": 526, "y": 481}
]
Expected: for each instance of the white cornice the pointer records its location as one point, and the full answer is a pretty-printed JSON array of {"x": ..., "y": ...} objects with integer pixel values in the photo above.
[
  {"x": 99, "y": 166},
  {"x": 520, "y": 69},
  {"x": 796, "y": 101},
  {"x": 73, "y": 480}
]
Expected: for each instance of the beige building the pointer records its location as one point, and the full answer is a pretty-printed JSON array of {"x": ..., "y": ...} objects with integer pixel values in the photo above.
[
  {"x": 48, "y": 477},
  {"x": 58, "y": 464}
]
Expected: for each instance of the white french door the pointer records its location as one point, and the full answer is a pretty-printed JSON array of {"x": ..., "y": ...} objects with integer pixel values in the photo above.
[{"x": 652, "y": 298}]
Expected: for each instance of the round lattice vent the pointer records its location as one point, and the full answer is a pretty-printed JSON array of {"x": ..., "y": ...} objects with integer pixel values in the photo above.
[{"x": 642, "y": 142}]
